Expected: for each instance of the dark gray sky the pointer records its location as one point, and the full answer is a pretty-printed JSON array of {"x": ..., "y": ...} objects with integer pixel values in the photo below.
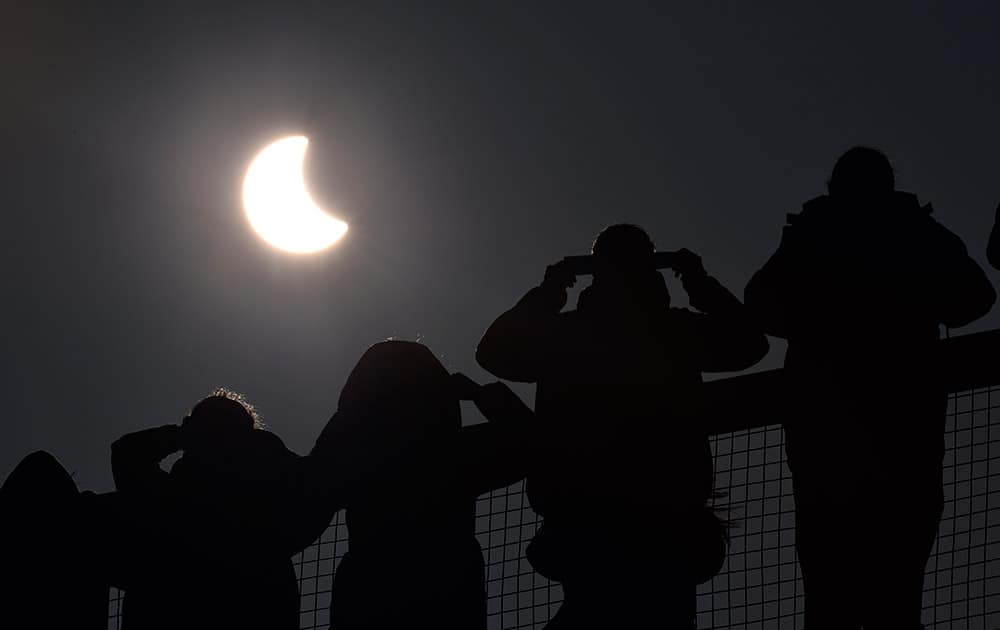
[{"x": 467, "y": 146}]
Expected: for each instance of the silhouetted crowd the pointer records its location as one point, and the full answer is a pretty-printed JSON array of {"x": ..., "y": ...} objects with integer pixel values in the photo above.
[{"x": 615, "y": 454}]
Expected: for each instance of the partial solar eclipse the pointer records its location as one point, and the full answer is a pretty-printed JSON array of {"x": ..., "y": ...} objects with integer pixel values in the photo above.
[{"x": 278, "y": 205}]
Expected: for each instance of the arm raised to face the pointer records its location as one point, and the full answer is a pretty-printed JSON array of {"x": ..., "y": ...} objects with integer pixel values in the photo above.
[{"x": 136, "y": 457}]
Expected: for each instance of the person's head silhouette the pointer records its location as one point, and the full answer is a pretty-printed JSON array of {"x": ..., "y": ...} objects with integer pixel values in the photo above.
[
  {"x": 399, "y": 387},
  {"x": 393, "y": 370},
  {"x": 218, "y": 417},
  {"x": 861, "y": 173},
  {"x": 624, "y": 271},
  {"x": 623, "y": 249}
]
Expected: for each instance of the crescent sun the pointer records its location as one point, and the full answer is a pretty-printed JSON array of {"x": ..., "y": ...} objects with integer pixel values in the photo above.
[{"x": 279, "y": 206}]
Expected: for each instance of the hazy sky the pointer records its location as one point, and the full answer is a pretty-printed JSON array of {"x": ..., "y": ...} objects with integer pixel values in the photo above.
[{"x": 467, "y": 146}]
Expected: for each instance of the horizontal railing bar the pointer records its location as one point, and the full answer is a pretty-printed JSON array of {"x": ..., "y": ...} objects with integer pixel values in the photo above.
[{"x": 757, "y": 400}]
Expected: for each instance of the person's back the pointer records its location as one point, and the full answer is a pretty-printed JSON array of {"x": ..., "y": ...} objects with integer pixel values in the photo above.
[
  {"x": 415, "y": 473},
  {"x": 220, "y": 522},
  {"x": 615, "y": 408},
  {"x": 629, "y": 469},
  {"x": 48, "y": 574},
  {"x": 859, "y": 286},
  {"x": 413, "y": 559}
]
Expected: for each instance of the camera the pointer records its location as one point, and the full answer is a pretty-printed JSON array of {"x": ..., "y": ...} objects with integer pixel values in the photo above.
[{"x": 586, "y": 265}]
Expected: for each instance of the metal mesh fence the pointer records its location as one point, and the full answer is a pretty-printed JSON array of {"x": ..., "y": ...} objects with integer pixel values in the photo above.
[{"x": 759, "y": 585}]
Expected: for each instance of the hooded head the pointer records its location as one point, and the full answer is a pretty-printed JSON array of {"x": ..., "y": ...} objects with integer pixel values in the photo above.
[{"x": 861, "y": 173}]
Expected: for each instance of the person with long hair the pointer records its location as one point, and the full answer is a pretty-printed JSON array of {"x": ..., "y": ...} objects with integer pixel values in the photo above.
[{"x": 413, "y": 559}]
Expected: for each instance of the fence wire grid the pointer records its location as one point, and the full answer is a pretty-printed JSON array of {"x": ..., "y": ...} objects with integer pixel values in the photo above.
[{"x": 760, "y": 585}]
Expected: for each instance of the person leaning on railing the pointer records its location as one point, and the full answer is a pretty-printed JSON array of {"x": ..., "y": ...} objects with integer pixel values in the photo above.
[{"x": 859, "y": 286}]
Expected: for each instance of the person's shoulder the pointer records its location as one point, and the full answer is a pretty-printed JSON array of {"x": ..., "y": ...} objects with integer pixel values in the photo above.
[
  {"x": 268, "y": 438},
  {"x": 809, "y": 222},
  {"x": 921, "y": 217},
  {"x": 942, "y": 240},
  {"x": 812, "y": 210},
  {"x": 820, "y": 203},
  {"x": 269, "y": 443},
  {"x": 910, "y": 202},
  {"x": 682, "y": 316},
  {"x": 573, "y": 319}
]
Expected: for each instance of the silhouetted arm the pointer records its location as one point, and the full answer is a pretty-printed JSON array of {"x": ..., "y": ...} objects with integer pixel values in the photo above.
[
  {"x": 993, "y": 246},
  {"x": 515, "y": 346},
  {"x": 727, "y": 336},
  {"x": 933, "y": 275},
  {"x": 963, "y": 292},
  {"x": 353, "y": 454},
  {"x": 499, "y": 452},
  {"x": 491, "y": 457},
  {"x": 288, "y": 496},
  {"x": 136, "y": 457},
  {"x": 780, "y": 287}
]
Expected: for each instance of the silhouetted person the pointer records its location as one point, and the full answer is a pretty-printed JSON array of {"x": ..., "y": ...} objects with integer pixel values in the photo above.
[
  {"x": 859, "y": 286},
  {"x": 993, "y": 246},
  {"x": 212, "y": 538},
  {"x": 49, "y": 577},
  {"x": 413, "y": 560},
  {"x": 625, "y": 485}
]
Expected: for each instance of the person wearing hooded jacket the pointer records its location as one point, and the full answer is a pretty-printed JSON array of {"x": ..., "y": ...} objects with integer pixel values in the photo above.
[
  {"x": 624, "y": 482},
  {"x": 859, "y": 286}
]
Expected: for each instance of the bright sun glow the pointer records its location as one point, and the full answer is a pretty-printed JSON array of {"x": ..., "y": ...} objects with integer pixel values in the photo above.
[{"x": 279, "y": 206}]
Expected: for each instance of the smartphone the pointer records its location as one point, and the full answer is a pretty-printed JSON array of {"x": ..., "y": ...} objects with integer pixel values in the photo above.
[{"x": 584, "y": 265}]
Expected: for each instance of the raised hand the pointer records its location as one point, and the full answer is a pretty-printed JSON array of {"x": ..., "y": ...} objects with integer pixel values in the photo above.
[
  {"x": 500, "y": 404},
  {"x": 686, "y": 262},
  {"x": 463, "y": 387}
]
